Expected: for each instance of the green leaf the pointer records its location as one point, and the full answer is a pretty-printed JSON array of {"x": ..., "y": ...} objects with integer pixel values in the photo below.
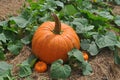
[
  {"x": 26, "y": 39},
  {"x": 3, "y": 38},
  {"x": 20, "y": 21},
  {"x": 82, "y": 25},
  {"x": 15, "y": 48},
  {"x": 105, "y": 14},
  {"x": 109, "y": 39},
  {"x": 31, "y": 60},
  {"x": 85, "y": 44},
  {"x": 118, "y": 44},
  {"x": 86, "y": 68},
  {"x": 82, "y": 21},
  {"x": 11, "y": 36},
  {"x": 95, "y": 20},
  {"x": 83, "y": 29},
  {"x": 1, "y": 78},
  {"x": 116, "y": 56},
  {"x": 25, "y": 66},
  {"x": 4, "y": 23},
  {"x": 25, "y": 70},
  {"x": 59, "y": 71},
  {"x": 2, "y": 56},
  {"x": 58, "y": 3},
  {"x": 117, "y": 2},
  {"x": 117, "y": 20},
  {"x": 5, "y": 69},
  {"x": 93, "y": 49},
  {"x": 76, "y": 54},
  {"x": 68, "y": 10}
]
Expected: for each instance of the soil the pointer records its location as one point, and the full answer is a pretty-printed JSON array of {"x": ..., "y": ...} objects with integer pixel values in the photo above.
[
  {"x": 103, "y": 64},
  {"x": 10, "y": 8}
]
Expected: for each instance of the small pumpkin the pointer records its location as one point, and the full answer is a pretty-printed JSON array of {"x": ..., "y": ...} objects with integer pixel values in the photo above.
[
  {"x": 53, "y": 40},
  {"x": 40, "y": 66},
  {"x": 85, "y": 55}
]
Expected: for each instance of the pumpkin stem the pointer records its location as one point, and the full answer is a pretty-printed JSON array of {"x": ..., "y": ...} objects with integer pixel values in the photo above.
[{"x": 57, "y": 28}]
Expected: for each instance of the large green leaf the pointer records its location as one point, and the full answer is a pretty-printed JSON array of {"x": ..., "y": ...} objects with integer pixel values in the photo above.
[
  {"x": 59, "y": 71},
  {"x": 26, "y": 65},
  {"x": 117, "y": 2},
  {"x": 3, "y": 23},
  {"x": 117, "y": 20},
  {"x": 26, "y": 39},
  {"x": 82, "y": 25},
  {"x": 25, "y": 70},
  {"x": 86, "y": 68},
  {"x": 20, "y": 21},
  {"x": 95, "y": 20},
  {"x": 3, "y": 37},
  {"x": 104, "y": 14},
  {"x": 93, "y": 49},
  {"x": 2, "y": 56},
  {"x": 5, "y": 69},
  {"x": 59, "y": 3},
  {"x": 109, "y": 39},
  {"x": 78, "y": 57},
  {"x": 118, "y": 44},
  {"x": 85, "y": 44},
  {"x": 68, "y": 10},
  {"x": 15, "y": 48},
  {"x": 116, "y": 56},
  {"x": 76, "y": 54}
]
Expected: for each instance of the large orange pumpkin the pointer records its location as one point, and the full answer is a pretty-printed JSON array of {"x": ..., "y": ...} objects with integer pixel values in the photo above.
[{"x": 53, "y": 40}]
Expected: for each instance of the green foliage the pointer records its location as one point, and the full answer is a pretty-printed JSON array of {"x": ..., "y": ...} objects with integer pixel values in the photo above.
[
  {"x": 116, "y": 56},
  {"x": 109, "y": 39},
  {"x": 86, "y": 68},
  {"x": 5, "y": 71},
  {"x": 117, "y": 20},
  {"x": 76, "y": 56},
  {"x": 25, "y": 66},
  {"x": 59, "y": 71},
  {"x": 117, "y": 2}
]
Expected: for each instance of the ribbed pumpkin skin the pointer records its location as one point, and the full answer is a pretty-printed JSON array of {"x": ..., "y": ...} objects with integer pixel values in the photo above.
[{"x": 49, "y": 47}]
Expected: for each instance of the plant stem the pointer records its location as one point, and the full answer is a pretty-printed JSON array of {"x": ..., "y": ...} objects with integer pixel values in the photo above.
[{"x": 57, "y": 28}]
